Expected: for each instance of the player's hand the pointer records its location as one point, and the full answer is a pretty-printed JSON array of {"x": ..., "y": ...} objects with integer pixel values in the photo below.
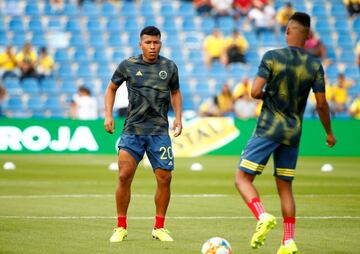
[
  {"x": 330, "y": 140},
  {"x": 109, "y": 124},
  {"x": 177, "y": 127}
]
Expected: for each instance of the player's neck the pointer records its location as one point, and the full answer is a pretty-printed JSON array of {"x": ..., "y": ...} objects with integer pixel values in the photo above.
[{"x": 295, "y": 44}]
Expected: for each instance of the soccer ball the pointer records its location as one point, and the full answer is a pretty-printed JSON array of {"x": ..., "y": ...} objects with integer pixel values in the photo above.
[{"x": 216, "y": 245}]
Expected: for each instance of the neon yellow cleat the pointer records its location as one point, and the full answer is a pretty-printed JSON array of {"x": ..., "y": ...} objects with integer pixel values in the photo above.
[
  {"x": 119, "y": 235},
  {"x": 162, "y": 234},
  {"x": 263, "y": 227},
  {"x": 288, "y": 248}
]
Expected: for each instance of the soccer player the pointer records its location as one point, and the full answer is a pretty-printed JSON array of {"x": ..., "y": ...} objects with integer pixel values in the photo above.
[
  {"x": 152, "y": 82},
  {"x": 287, "y": 75}
]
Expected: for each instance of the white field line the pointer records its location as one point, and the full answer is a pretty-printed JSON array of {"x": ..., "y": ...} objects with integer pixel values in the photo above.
[
  {"x": 151, "y": 196},
  {"x": 170, "y": 217}
]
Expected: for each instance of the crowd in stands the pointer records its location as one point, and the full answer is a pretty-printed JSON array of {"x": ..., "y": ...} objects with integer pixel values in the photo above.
[{"x": 241, "y": 44}]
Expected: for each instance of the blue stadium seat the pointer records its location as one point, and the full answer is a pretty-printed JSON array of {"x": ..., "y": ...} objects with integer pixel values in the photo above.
[
  {"x": 3, "y": 39},
  {"x": 332, "y": 71},
  {"x": 30, "y": 85},
  {"x": 32, "y": 9},
  {"x": 128, "y": 9},
  {"x": 103, "y": 71},
  {"x": 186, "y": 10},
  {"x": 12, "y": 86},
  {"x": 356, "y": 24},
  {"x": 84, "y": 71},
  {"x": 146, "y": 9},
  {"x": 38, "y": 40},
  {"x": 52, "y": 102},
  {"x": 131, "y": 24},
  {"x": 16, "y": 25},
  {"x": 68, "y": 87},
  {"x": 118, "y": 56},
  {"x": 167, "y": 10},
  {"x": 226, "y": 24},
  {"x": 319, "y": 11},
  {"x": 347, "y": 56},
  {"x": 114, "y": 40},
  {"x": 338, "y": 11},
  {"x": 70, "y": 10},
  {"x": 90, "y": 9},
  {"x": 35, "y": 103},
  {"x": 73, "y": 25},
  {"x": 352, "y": 71},
  {"x": 48, "y": 85},
  {"x": 169, "y": 26},
  {"x": 113, "y": 25},
  {"x": 109, "y": 10},
  {"x": 94, "y": 25},
  {"x": 81, "y": 56},
  {"x": 14, "y": 103},
  {"x": 35, "y": 25},
  {"x": 188, "y": 25},
  {"x": 65, "y": 71},
  {"x": 77, "y": 40},
  {"x": 18, "y": 39},
  {"x": 61, "y": 55},
  {"x": 341, "y": 25},
  {"x": 55, "y": 24},
  {"x": 97, "y": 41}
]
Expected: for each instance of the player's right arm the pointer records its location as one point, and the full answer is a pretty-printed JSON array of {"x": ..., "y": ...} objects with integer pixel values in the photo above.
[
  {"x": 324, "y": 114},
  {"x": 110, "y": 93}
]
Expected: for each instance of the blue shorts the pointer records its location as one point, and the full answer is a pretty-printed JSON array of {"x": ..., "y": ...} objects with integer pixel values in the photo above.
[
  {"x": 157, "y": 147},
  {"x": 257, "y": 153}
]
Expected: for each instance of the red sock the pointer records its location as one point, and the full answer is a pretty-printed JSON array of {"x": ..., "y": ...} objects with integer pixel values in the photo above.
[
  {"x": 159, "y": 221},
  {"x": 289, "y": 225},
  {"x": 256, "y": 207},
  {"x": 121, "y": 222}
]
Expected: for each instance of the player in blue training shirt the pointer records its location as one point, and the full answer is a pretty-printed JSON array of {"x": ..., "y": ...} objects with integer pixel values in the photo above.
[
  {"x": 152, "y": 82},
  {"x": 288, "y": 75}
]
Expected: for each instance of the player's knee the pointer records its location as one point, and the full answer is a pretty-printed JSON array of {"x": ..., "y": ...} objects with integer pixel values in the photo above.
[{"x": 164, "y": 178}]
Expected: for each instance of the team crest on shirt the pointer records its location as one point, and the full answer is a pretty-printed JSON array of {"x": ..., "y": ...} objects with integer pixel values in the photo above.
[{"x": 163, "y": 74}]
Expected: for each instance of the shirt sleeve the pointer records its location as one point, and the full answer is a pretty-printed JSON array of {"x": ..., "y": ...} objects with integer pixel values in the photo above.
[
  {"x": 265, "y": 67},
  {"x": 120, "y": 74},
  {"x": 174, "y": 81},
  {"x": 319, "y": 81}
]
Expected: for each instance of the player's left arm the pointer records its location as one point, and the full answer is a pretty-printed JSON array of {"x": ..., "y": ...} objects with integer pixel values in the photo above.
[
  {"x": 263, "y": 74},
  {"x": 176, "y": 102},
  {"x": 257, "y": 88}
]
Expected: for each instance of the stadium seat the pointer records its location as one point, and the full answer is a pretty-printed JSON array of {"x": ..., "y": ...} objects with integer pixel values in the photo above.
[
  {"x": 109, "y": 10},
  {"x": 61, "y": 55},
  {"x": 84, "y": 71},
  {"x": 18, "y": 39},
  {"x": 94, "y": 25},
  {"x": 128, "y": 9},
  {"x": 146, "y": 9},
  {"x": 65, "y": 71},
  {"x": 48, "y": 86},
  {"x": 68, "y": 86},
  {"x": 186, "y": 10},
  {"x": 97, "y": 41},
  {"x": 73, "y": 25},
  {"x": 90, "y": 9},
  {"x": 52, "y": 102},
  {"x": 30, "y": 85},
  {"x": 32, "y": 9},
  {"x": 167, "y": 10},
  {"x": 113, "y": 25},
  {"x": 77, "y": 40},
  {"x": 16, "y": 25},
  {"x": 12, "y": 86},
  {"x": 54, "y": 24},
  {"x": 81, "y": 56},
  {"x": 35, "y": 103},
  {"x": 118, "y": 56},
  {"x": 14, "y": 103},
  {"x": 35, "y": 25},
  {"x": 38, "y": 40},
  {"x": 70, "y": 10}
]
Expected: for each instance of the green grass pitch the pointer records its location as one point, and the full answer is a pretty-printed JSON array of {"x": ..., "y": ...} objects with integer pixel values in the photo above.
[{"x": 65, "y": 204}]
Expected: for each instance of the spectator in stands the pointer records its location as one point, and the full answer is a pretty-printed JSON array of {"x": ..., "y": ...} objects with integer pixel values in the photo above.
[
  {"x": 27, "y": 61},
  {"x": 225, "y": 100},
  {"x": 354, "y": 109},
  {"x": 339, "y": 94},
  {"x": 2, "y": 95},
  {"x": 222, "y": 8},
  {"x": 358, "y": 54},
  {"x": 315, "y": 47},
  {"x": 241, "y": 88},
  {"x": 245, "y": 107},
  {"x": 241, "y": 8},
  {"x": 353, "y": 6},
  {"x": 263, "y": 17},
  {"x": 202, "y": 7},
  {"x": 8, "y": 63},
  {"x": 84, "y": 106},
  {"x": 210, "y": 107},
  {"x": 46, "y": 64},
  {"x": 213, "y": 47},
  {"x": 235, "y": 48},
  {"x": 284, "y": 14}
]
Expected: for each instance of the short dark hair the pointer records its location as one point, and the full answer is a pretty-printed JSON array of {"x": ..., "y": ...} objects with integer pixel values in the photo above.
[
  {"x": 301, "y": 17},
  {"x": 150, "y": 30}
]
